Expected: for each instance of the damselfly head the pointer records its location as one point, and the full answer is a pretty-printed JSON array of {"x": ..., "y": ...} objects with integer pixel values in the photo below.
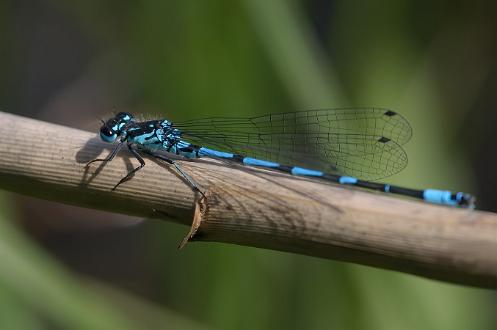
[{"x": 113, "y": 127}]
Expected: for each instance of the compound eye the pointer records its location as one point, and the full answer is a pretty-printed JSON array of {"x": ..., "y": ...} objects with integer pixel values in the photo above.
[
  {"x": 124, "y": 116},
  {"x": 107, "y": 134}
]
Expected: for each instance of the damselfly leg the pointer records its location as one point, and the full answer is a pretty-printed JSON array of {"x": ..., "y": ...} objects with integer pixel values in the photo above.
[
  {"x": 131, "y": 173},
  {"x": 187, "y": 177},
  {"x": 109, "y": 157}
]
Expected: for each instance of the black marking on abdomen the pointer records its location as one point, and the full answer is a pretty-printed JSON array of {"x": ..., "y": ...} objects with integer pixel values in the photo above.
[
  {"x": 407, "y": 192},
  {"x": 331, "y": 177},
  {"x": 285, "y": 168},
  {"x": 390, "y": 113},
  {"x": 187, "y": 149},
  {"x": 195, "y": 148},
  {"x": 238, "y": 158},
  {"x": 383, "y": 139}
]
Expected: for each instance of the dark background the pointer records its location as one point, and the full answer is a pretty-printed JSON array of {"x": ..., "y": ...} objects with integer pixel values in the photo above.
[{"x": 73, "y": 62}]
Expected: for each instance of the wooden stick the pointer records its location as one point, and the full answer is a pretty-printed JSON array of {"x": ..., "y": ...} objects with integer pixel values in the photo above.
[{"x": 254, "y": 207}]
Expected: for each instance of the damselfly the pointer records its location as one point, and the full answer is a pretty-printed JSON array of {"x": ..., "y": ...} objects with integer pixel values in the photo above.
[{"x": 345, "y": 146}]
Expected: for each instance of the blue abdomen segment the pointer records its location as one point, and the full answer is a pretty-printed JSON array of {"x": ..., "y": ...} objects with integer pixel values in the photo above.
[
  {"x": 206, "y": 152},
  {"x": 306, "y": 172},
  {"x": 257, "y": 162},
  {"x": 347, "y": 180},
  {"x": 439, "y": 197}
]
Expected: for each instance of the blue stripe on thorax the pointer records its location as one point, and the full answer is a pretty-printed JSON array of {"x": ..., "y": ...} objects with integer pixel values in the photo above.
[{"x": 146, "y": 138}]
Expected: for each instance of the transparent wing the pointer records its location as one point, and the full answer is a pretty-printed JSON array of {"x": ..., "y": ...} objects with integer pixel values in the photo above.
[{"x": 364, "y": 142}]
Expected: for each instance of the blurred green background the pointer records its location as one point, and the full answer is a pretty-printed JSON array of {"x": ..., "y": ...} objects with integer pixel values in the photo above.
[{"x": 71, "y": 62}]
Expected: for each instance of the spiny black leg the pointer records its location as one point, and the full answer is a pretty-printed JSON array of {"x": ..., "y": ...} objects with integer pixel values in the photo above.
[
  {"x": 131, "y": 173},
  {"x": 188, "y": 179},
  {"x": 109, "y": 157}
]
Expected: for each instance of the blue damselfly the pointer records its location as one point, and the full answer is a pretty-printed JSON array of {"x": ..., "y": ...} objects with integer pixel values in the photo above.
[{"x": 345, "y": 146}]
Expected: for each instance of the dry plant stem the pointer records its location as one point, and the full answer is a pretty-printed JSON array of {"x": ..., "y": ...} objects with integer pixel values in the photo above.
[{"x": 254, "y": 207}]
